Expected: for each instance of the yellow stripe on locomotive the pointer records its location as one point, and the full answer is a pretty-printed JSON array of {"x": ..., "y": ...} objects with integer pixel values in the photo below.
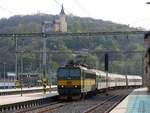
[{"x": 76, "y": 82}]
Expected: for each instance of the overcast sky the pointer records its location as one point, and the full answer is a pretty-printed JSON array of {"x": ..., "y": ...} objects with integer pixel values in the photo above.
[{"x": 133, "y": 12}]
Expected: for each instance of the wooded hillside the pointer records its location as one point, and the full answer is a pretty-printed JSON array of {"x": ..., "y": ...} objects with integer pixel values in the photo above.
[{"x": 129, "y": 63}]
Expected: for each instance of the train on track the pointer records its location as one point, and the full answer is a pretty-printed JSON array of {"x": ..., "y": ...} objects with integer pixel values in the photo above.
[{"x": 74, "y": 81}]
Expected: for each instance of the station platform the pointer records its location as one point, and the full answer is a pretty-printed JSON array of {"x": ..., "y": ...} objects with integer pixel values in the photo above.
[
  {"x": 12, "y": 99},
  {"x": 31, "y": 88},
  {"x": 137, "y": 102}
]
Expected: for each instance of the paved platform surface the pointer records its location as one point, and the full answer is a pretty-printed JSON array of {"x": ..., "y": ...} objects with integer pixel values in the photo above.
[
  {"x": 31, "y": 88},
  {"x": 4, "y": 100},
  {"x": 137, "y": 102}
]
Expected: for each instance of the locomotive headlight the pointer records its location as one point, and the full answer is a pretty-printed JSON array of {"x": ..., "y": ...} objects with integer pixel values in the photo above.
[
  {"x": 75, "y": 86},
  {"x": 62, "y": 86}
]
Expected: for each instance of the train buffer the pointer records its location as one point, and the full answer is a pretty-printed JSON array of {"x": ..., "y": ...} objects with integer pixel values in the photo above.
[{"x": 136, "y": 102}]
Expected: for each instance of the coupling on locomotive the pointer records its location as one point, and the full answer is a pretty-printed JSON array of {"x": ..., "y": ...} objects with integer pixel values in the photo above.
[{"x": 74, "y": 81}]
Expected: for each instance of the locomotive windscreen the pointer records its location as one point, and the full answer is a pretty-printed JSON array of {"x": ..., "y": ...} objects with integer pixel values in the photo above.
[
  {"x": 63, "y": 72},
  {"x": 74, "y": 72},
  {"x": 68, "y": 72}
]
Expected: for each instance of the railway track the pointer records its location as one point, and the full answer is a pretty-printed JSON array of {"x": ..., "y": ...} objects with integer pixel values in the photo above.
[
  {"x": 108, "y": 104},
  {"x": 39, "y": 108},
  {"x": 100, "y": 103},
  {"x": 47, "y": 108},
  {"x": 105, "y": 106}
]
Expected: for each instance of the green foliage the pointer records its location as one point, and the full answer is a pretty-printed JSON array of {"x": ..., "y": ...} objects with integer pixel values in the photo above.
[
  {"x": 75, "y": 27},
  {"x": 88, "y": 59},
  {"x": 66, "y": 45}
]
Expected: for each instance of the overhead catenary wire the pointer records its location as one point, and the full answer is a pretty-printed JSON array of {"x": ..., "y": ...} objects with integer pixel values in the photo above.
[
  {"x": 142, "y": 20},
  {"x": 6, "y": 10},
  {"x": 61, "y": 5},
  {"x": 82, "y": 8}
]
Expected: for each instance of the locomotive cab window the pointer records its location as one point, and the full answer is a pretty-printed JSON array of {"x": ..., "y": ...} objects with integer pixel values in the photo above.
[
  {"x": 63, "y": 72},
  {"x": 74, "y": 72}
]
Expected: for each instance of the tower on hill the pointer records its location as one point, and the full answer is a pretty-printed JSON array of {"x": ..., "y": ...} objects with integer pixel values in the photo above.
[{"x": 60, "y": 25}]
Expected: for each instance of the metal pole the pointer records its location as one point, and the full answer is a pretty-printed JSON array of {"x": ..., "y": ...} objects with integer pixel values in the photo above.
[
  {"x": 126, "y": 74},
  {"x": 111, "y": 66},
  {"x": 4, "y": 75},
  {"x": 142, "y": 72},
  {"x": 22, "y": 65},
  {"x": 44, "y": 59},
  {"x": 16, "y": 65},
  {"x": 9, "y": 69},
  {"x": 40, "y": 62}
]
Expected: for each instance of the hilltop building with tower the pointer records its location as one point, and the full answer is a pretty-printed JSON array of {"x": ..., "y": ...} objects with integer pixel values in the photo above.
[{"x": 58, "y": 24}]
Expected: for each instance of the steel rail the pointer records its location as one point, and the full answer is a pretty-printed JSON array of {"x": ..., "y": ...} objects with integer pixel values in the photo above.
[
  {"x": 114, "y": 105},
  {"x": 54, "y": 108},
  {"x": 39, "y": 107},
  {"x": 98, "y": 105}
]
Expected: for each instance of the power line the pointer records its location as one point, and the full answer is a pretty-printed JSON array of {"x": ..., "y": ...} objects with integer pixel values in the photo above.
[
  {"x": 82, "y": 7},
  {"x": 6, "y": 10},
  {"x": 146, "y": 19},
  {"x": 57, "y": 2},
  {"x": 61, "y": 5}
]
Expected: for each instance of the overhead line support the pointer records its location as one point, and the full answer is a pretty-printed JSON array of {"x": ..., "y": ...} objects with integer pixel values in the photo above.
[{"x": 70, "y": 34}]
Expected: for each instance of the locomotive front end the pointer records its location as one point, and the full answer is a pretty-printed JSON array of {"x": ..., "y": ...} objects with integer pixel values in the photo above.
[{"x": 69, "y": 82}]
